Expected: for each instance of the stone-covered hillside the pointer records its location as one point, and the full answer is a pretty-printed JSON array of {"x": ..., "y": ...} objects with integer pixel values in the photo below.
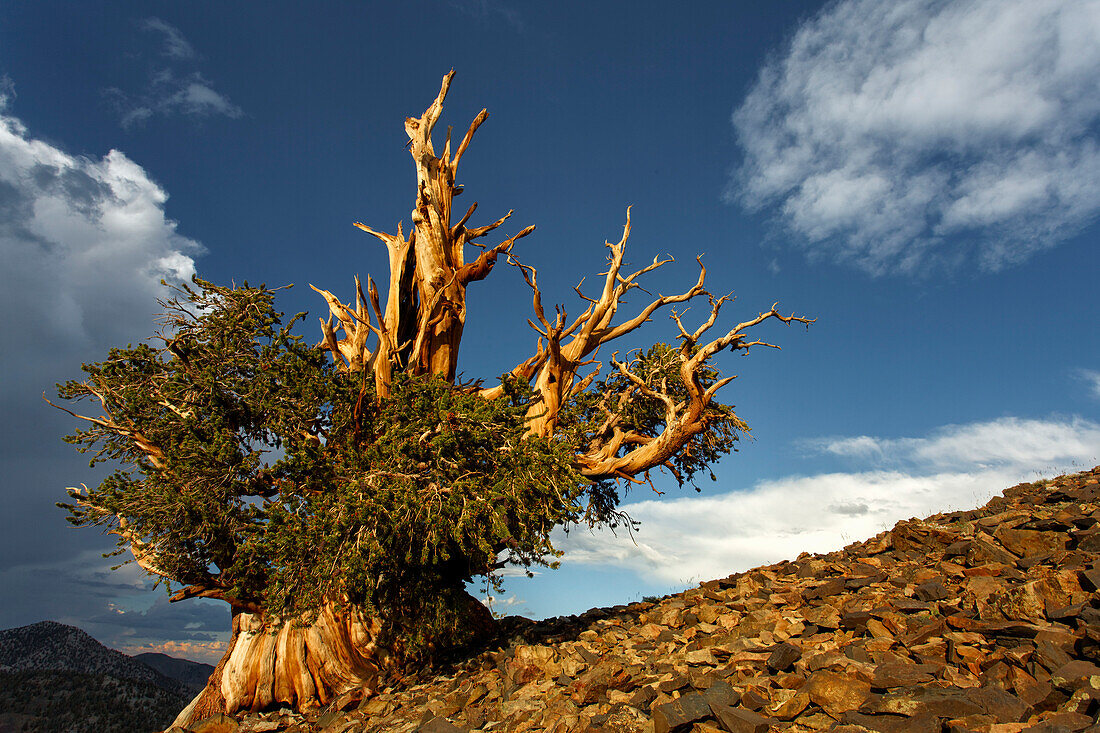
[{"x": 984, "y": 620}]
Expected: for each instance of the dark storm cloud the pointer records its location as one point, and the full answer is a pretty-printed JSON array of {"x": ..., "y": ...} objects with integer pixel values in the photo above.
[{"x": 84, "y": 244}]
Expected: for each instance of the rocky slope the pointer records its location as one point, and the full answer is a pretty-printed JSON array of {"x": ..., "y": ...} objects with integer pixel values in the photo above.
[{"x": 984, "y": 620}]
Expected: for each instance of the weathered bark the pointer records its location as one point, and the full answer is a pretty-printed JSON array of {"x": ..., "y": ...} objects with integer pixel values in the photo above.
[
  {"x": 421, "y": 328},
  {"x": 302, "y": 667},
  {"x": 427, "y": 287}
]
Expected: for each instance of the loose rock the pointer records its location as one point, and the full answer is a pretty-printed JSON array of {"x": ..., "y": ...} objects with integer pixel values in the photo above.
[{"x": 985, "y": 620}]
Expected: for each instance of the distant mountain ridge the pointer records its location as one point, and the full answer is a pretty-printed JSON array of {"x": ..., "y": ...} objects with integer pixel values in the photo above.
[
  {"x": 49, "y": 646},
  {"x": 55, "y": 677},
  {"x": 192, "y": 674}
]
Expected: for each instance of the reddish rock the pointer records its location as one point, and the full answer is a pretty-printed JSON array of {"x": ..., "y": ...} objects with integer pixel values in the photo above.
[
  {"x": 1026, "y": 542},
  {"x": 893, "y": 723},
  {"x": 783, "y": 656},
  {"x": 531, "y": 663},
  {"x": 933, "y": 590},
  {"x": 828, "y": 588},
  {"x": 1076, "y": 674},
  {"x": 980, "y": 552},
  {"x": 786, "y": 704},
  {"x": 679, "y": 714},
  {"x": 753, "y": 699},
  {"x": 1061, "y": 721},
  {"x": 836, "y": 693},
  {"x": 736, "y": 720},
  {"x": 438, "y": 725},
  {"x": 1003, "y": 706},
  {"x": 926, "y": 701},
  {"x": 901, "y": 674},
  {"x": 721, "y": 694},
  {"x": 216, "y": 724},
  {"x": 985, "y": 620},
  {"x": 1090, "y": 579},
  {"x": 595, "y": 683}
]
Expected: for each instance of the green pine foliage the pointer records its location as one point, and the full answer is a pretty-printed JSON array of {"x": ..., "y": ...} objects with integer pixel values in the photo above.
[
  {"x": 659, "y": 367},
  {"x": 247, "y": 462}
]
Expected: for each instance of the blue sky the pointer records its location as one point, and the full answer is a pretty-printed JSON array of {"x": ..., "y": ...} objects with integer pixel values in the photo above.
[{"x": 922, "y": 177}]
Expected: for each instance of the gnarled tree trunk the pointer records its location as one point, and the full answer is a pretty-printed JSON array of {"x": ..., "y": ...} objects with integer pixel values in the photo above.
[
  {"x": 287, "y": 663},
  {"x": 302, "y": 666}
]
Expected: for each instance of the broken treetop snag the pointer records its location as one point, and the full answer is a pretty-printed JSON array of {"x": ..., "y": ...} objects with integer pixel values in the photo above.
[{"x": 420, "y": 330}]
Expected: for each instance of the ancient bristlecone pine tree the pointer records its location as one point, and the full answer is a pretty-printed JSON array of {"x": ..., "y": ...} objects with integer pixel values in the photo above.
[{"x": 341, "y": 497}]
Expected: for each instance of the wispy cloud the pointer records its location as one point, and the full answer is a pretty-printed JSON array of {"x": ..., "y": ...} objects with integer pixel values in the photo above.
[
  {"x": 84, "y": 244},
  {"x": 176, "y": 89},
  {"x": 193, "y": 630},
  {"x": 483, "y": 10},
  {"x": 503, "y": 605},
  {"x": 175, "y": 45},
  {"x": 199, "y": 651},
  {"x": 117, "y": 607},
  {"x": 915, "y": 134},
  {"x": 192, "y": 95},
  {"x": 957, "y": 467},
  {"x": 177, "y": 621},
  {"x": 1090, "y": 377},
  {"x": 1008, "y": 441}
]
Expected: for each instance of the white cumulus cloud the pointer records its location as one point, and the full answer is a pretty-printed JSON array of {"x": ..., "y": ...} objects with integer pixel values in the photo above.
[
  {"x": 1008, "y": 441},
  {"x": 84, "y": 244},
  {"x": 922, "y": 133},
  {"x": 485, "y": 10},
  {"x": 691, "y": 539}
]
